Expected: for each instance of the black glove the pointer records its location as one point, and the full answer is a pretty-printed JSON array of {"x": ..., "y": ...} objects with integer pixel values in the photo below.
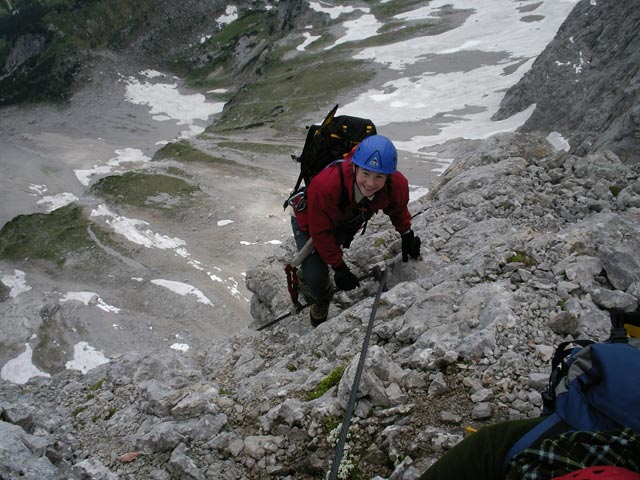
[
  {"x": 345, "y": 280},
  {"x": 410, "y": 246}
]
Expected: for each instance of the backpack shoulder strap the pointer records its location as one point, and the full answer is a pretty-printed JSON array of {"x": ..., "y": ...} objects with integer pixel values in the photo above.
[
  {"x": 560, "y": 364},
  {"x": 344, "y": 194},
  {"x": 623, "y": 324}
]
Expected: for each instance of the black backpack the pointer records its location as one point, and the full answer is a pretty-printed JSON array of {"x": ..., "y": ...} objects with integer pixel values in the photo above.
[{"x": 332, "y": 140}]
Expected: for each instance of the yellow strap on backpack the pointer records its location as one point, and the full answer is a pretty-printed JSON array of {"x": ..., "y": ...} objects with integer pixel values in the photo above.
[{"x": 632, "y": 330}]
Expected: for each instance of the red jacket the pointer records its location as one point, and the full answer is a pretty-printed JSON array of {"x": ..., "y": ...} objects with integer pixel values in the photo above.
[{"x": 323, "y": 215}]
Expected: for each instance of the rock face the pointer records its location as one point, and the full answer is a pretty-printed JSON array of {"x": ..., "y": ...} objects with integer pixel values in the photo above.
[
  {"x": 57, "y": 49},
  {"x": 586, "y": 83},
  {"x": 524, "y": 247}
]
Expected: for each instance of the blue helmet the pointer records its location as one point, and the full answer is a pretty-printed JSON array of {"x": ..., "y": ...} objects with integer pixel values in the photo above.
[{"x": 377, "y": 154}]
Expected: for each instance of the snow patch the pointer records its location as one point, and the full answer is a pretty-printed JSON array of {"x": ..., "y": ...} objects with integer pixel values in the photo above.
[
  {"x": 16, "y": 282},
  {"x": 183, "y": 289},
  {"x": 470, "y": 97},
  {"x": 181, "y": 347},
  {"x": 218, "y": 90},
  {"x": 21, "y": 369},
  {"x": 136, "y": 231},
  {"x": 151, "y": 73},
  {"x": 38, "y": 189},
  {"x": 558, "y": 141},
  {"x": 334, "y": 11},
  {"x": 129, "y": 157},
  {"x": 230, "y": 14},
  {"x": 416, "y": 191},
  {"x": 88, "y": 298},
  {"x": 165, "y": 102},
  {"x": 308, "y": 40},
  {"x": 85, "y": 358},
  {"x": 359, "y": 29},
  {"x": 53, "y": 202}
]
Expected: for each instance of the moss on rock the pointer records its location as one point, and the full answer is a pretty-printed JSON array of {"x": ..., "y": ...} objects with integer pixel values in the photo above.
[
  {"x": 330, "y": 381},
  {"x": 146, "y": 190},
  {"x": 185, "y": 152},
  {"x": 51, "y": 236},
  {"x": 4, "y": 292}
]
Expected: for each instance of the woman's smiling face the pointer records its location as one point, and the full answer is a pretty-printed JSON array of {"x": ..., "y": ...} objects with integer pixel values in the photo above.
[{"x": 369, "y": 182}]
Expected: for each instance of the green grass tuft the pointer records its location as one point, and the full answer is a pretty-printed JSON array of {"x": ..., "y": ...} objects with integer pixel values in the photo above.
[
  {"x": 112, "y": 411},
  {"x": 615, "y": 190},
  {"x": 330, "y": 381},
  {"x": 522, "y": 257},
  {"x": 97, "y": 385}
]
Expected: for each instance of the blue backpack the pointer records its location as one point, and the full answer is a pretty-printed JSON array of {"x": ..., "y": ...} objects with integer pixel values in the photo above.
[{"x": 592, "y": 386}]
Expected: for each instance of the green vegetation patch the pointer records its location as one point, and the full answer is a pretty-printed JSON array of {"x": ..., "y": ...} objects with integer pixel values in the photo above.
[
  {"x": 4, "y": 292},
  {"x": 615, "y": 190},
  {"x": 78, "y": 411},
  {"x": 379, "y": 242},
  {"x": 260, "y": 148},
  {"x": 73, "y": 31},
  {"x": 251, "y": 23},
  {"x": 330, "y": 381},
  {"x": 177, "y": 172},
  {"x": 254, "y": 26},
  {"x": 389, "y": 9},
  {"x": 145, "y": 190},
  {"x": 48, "y": 236},
  {"x": 112, "y": 411},
  {"x": 97, "y": 385},
  {"x": 330, "y": 423},
  {"x": 522, "y": 257},
  {"x": 185, "y": 152},
  {"x": 5, "y": 48},
  {"x": 290, "y": 89},
  {"x": 48, "y": 77}
]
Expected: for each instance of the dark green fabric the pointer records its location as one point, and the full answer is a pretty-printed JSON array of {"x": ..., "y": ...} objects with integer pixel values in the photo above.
[
  {"x": 572, "y": 451},
  {"x": 480, "y": 455}
]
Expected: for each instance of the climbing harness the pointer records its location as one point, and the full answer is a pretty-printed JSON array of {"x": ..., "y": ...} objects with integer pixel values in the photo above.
[{"x": 356, "y": 382}]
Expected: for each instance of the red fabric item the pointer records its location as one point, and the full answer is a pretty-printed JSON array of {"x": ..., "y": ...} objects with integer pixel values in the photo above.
[
  {"x": 323, "y": 214},
  {"x": 292, "y": 283},
  {"x": 600, "y": 473}
]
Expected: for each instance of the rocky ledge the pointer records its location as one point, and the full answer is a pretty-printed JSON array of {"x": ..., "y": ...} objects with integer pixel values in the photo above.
[{"x": 524, "y": 247}]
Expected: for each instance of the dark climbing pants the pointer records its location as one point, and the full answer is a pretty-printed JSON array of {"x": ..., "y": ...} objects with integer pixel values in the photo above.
[{"x": 315, "y": 272}]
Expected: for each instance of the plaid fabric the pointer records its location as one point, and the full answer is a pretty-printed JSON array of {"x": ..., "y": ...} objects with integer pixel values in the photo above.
[{"x": 571, "y": 451}]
